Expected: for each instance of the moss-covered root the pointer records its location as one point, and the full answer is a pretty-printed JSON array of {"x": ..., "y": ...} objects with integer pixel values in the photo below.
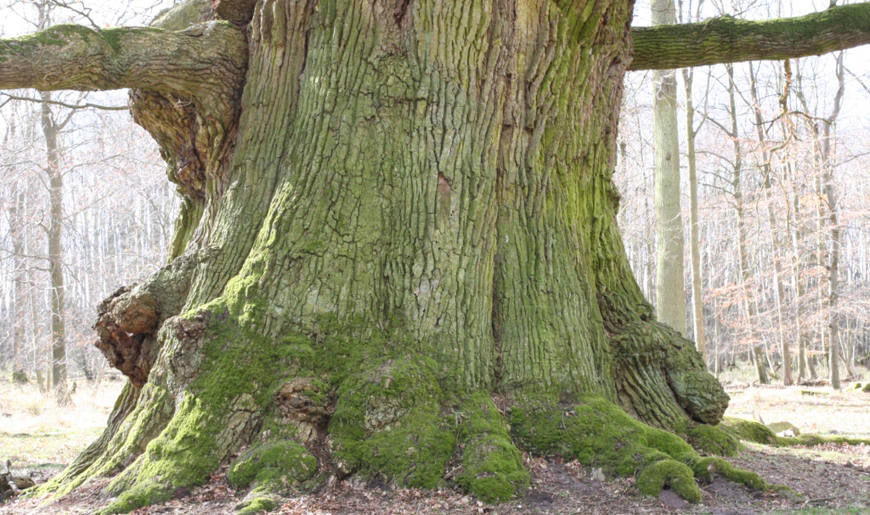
[
  {"x": 704, "y": 469},
  {"x": 387, "y": 425},
  {"x": 492, "y": 466},
  {"x": 270, "y": 470},
  {"x": 182, "y": 456},
  {"x": 712, "y": 440},
  {"x": 598, "y": 433},
  {"x": 670, "y": 473},
  {"x": 759, "y": 433}
]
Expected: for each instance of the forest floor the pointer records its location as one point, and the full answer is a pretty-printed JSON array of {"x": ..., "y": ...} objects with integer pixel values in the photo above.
[{"x": 41, "y": 439}]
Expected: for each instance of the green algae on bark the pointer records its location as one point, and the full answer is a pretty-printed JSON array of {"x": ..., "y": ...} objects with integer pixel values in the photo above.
[{"x": 400, "y": 210}]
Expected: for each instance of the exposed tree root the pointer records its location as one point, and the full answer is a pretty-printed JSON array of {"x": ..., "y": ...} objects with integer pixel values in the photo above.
[
  {"x": 300, "y": 409},
  {"x": 599, "y": 434},
  {"x": 759, "y": 433}
]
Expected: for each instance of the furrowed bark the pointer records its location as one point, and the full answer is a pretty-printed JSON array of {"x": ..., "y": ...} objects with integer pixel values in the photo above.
[
  {"x": 405, "y": 230},
  {"x": 205, "y": 63},
  {"x": 728, "y": 39}
]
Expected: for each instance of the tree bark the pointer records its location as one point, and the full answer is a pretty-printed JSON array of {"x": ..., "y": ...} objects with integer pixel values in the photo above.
[
  {"x": 729, "y": 39},
  {"x": 55, "y": 254},
  {"x": 397, "y": 251},
  {"x": 16, "y": 232},
  {"x": 834, "y": 227}
]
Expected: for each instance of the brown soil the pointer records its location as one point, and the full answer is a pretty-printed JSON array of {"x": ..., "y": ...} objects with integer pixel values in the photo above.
[{"x": 836, "y": 478}]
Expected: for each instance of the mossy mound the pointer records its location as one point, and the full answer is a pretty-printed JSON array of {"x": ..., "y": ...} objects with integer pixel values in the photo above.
[
  {"x": 492, "y": 466},
  {"x": 712, "y": 440},
  {"x": 748, "y": 430},
  {"x": 258, "y": 504},
  {"x": 278, "y": 463},
  {"x": 599, "y": 434},
  {"x": 674, "y": 474},
  {"x": 387, "y": 424}
]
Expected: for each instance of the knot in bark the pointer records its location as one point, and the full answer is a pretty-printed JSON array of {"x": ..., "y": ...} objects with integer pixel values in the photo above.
[
  {"x": 304, "y": 404},
  {"x": 237, "y": 12},
  {"x": 125, "y": 323}
]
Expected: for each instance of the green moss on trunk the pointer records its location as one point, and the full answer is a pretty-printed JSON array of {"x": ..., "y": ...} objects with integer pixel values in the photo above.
[
  {"x": 492, "y": 466},
  {"x": 387, "y": 424},
  {"x": 413, "y": 212}
]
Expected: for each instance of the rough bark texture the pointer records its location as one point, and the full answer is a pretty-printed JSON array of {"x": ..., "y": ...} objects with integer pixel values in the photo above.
[
  {"x": 397, "y": 255},
  {"x": 729, "y": 39}
]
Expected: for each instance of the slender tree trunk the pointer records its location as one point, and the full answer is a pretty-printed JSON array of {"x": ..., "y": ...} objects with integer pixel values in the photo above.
[
  {"x": 694, "y": 244},
  {"x": 670, "y": 286},
  {"x": 833, "y": 279},
  {"x": 821, "y": 255},
  {"x": 55, "y": 254},
  {"x": 766, "y": 171},
  {"x": 19, "y": 265},
  {"x": 805, "y": 364},
  {"x": 834, "y": 227},
  {"x": 756, "y": 345}
]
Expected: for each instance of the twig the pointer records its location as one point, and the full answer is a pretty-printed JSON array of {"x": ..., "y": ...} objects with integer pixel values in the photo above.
[{"x": 87, "y": 105}]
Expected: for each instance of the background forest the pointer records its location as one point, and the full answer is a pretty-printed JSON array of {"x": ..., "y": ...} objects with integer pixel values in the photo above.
[
  {"x": 781, "y": 155},
  {"x": 781, "y": 160}
]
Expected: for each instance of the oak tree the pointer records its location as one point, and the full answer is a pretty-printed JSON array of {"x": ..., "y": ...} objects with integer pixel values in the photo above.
[{"x": 397, "y": 249}]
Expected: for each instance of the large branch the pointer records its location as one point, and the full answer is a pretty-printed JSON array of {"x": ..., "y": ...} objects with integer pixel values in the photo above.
[
  {"x": 728, "y": 39},
  {"x": 203, "y": 63}
]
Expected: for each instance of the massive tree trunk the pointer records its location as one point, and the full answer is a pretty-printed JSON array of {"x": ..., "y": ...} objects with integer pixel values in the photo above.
[{"x": 398, "y": 235}]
